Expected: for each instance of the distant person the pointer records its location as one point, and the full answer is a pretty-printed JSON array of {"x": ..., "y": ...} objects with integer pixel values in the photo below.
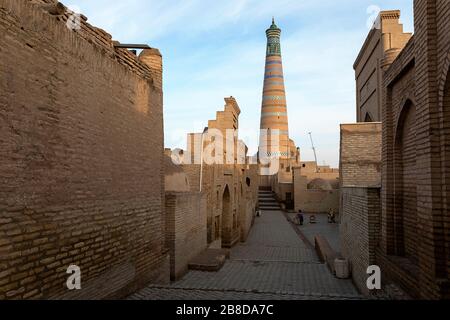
[
  {"x": 331, "y": 216},
  {"x": 300, "y": 217},
  {"x": 312, "y": 219}
]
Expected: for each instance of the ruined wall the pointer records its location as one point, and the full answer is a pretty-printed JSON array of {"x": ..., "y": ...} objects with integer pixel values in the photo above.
[
  {"x": 230, "y": 203},
  {"x": 185, "y": 229},
  {"x": 360, "y": 230},
  {"x": 81, "y": 162},
  {"x": 360, "y": 154}
]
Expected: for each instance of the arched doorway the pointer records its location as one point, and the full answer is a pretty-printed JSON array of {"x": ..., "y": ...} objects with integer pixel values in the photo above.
[
  {"x": 405, "y": 213},
  {"x": 226, "y": 213}
]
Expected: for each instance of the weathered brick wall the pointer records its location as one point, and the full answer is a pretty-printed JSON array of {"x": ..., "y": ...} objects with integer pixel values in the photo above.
[
  {"x": 359, "y": 230},
  {"x": 185, "y": 229},
  {"x": 432, "y": 22},
  {"x": 193, "y": 173},
  {"x": 230, "y": 234},
  {"x": 399, "y": 157},
  {"x": 81, "y": 161},
  {"x": 248, "y": 199},
  {"x": 360, "y": 154},
  {"x": 415, "y": 138}
]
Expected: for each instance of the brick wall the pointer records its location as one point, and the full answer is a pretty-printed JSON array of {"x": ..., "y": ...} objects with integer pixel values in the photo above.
[
  {"x": 386, "y": 39},
  {"x": 415, "y": 215},
  {"x": 81, "y": 161},
  {"x": 193, "y": 173},
  {"x": 359, "y": 230},
  {"x": 248, "y": 199},
  {"x": 360, "y": 154},
  {"x": 315, "y": 200},
  {"x": 229, "y": 221},
  {"x": 185, "y": 229},
  {"x": 432, "y": 71}
]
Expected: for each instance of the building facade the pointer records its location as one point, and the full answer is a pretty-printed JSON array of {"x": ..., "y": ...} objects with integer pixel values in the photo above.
[
  {"x": 382, "y": 45},
  {"x": 217, "y": 165},
  {"x": 408, "y": 237}
]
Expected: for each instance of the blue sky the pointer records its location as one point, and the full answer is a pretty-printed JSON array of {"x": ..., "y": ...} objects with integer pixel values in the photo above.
[{"x": 214, "y": 49}]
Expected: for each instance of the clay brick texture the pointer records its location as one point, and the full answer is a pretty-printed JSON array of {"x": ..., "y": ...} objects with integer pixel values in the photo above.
[
  {"x": 360, "y": 229},
  {"x": 415, "y": 218},
  {"x": 185, "y": 229},
  {"x": 360, "y": 154},
  {"x": 413, "y": 249},
  {"x": 81, "y": 176}
]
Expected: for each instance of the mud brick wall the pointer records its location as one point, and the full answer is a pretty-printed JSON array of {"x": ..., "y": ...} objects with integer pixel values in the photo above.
[
  {"x": 415, "y": 197},
  {"x": 359, "y": 230},
  {"x": 248, "y": 199},
  {"x": 81, "y": 134},
  {"x": 360, "y": 154},
  {"x": 186, "y": 229},
  {"x": 432, "y": 61}
]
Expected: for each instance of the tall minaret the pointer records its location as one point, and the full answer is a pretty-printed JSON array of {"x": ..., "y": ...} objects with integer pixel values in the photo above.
[{"x": 274, "y": 109}]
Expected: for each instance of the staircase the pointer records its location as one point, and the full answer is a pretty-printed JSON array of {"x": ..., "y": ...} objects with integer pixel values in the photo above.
[{"x": 267, "y": 201}]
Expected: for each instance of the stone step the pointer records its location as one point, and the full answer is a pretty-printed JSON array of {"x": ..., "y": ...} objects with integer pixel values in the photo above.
[
  {"x": 269, "y": 208},
  {"x": 210, "y": 260}
]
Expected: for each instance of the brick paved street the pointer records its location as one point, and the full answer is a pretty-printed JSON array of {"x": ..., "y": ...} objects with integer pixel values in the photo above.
[
  {"x": 329, "y": 230},
  {"x": 274, "y": 263}
]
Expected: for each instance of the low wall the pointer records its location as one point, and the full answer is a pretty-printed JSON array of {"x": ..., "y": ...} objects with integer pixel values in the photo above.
[
  {"x": 185, "y": 229},
  {"x": 316, "y": 201}
]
